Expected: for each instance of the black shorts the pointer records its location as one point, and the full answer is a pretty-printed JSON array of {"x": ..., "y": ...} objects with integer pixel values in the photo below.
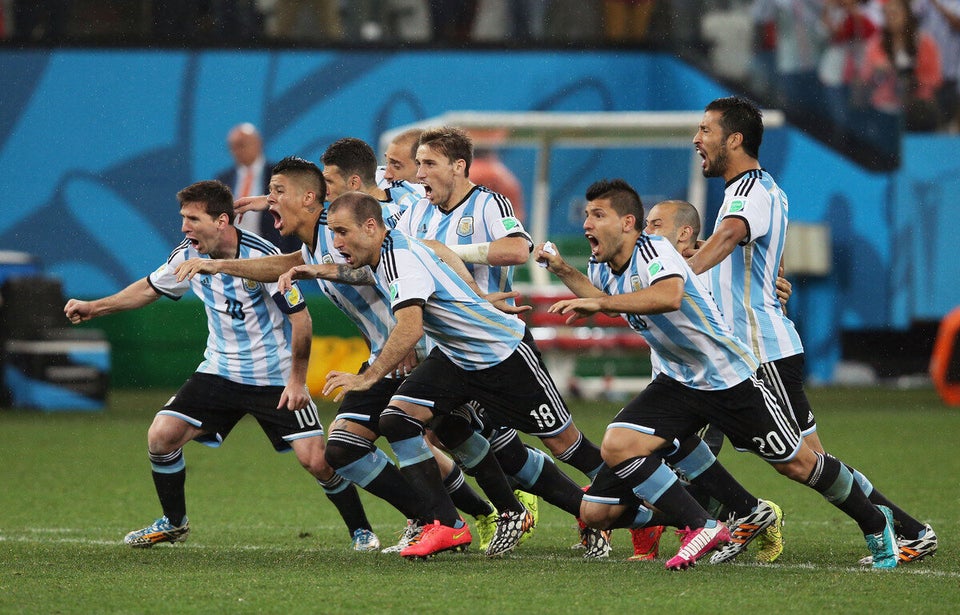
[
  {"x": 364, "y": 407},
  {"x": 517, "y": 393},
  {"x": 215, "y": 405},
  {"x": 784, "y": 378},
  {"x": 748, "y": 414}
]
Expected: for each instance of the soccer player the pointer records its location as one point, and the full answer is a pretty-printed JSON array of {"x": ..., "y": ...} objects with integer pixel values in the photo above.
[
  {"x": 742, "y": 256},
  {"x": 705, "y": 375},
  {"x": 479, "y": 354},
  {"x": 401, "y": 159},
  {"x": 480, "y": 227},
  {"x": 679, "y": 222},
  {"x": 350, "y": 164},
  {"x": 297, "y": 193},
  {"x": 255, "y": 363}
]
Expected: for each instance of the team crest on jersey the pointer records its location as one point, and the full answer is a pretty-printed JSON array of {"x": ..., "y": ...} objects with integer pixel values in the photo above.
[
  {"x": 510, "y": 223},
  {"x": 654, "y": 267},
  {"x": 635, "y": 283},
  {"x": 251, "y": 285},
  {"x": 465, "y": 228},
  {"x": 327, "y": 258},
  {"x": 293, "y": 296},
  {"x": 394, "y": 290},
  {"x": 736, "y": 205}
]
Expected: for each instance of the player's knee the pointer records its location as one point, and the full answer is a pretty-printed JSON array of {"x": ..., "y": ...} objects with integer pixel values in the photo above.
[
  {"x": 795, "y": 470},
  {"x": 596, "y": 516},
  {"x": 340, "y": 453},
  {"x": 165, "y": 435},
  {"x": 397, "y": 425}
]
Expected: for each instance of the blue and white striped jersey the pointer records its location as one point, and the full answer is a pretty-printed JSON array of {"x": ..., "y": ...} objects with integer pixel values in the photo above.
[
  {"x": 691, "y": 345},
  {"x": 367, "y": 306},
  {"x": 469, "y": 330},
  {"x": 744, "y": 283},
  {"x": 482, "y": 216},
  {"x": 401, "y": 196},
  {"x": 248, "y": 332}
]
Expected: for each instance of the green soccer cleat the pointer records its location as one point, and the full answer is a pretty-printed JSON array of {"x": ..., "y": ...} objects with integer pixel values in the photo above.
[
  {"x": 771, "y": 540},
  {"x": 486, "y": 526},
  {"x": 532, "y": 504}
]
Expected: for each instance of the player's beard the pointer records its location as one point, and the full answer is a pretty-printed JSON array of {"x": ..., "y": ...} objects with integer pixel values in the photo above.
[{"x": 718, "y": 166}]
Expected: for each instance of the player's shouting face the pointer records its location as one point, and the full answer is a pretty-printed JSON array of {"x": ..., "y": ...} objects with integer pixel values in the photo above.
[
  {"x": 711, "y": 143},
  {"x": 438, "y": 175},
  {"x": 201, "y": 229}
]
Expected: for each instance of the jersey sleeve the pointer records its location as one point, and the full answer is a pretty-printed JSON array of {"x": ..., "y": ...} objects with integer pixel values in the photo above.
[
  {"x": 500, "y": 221},
  {"x": 164, "y": 280},
  {"x": 408, "y": 280},
  {"x": 661, "y": 261},
  {"x": 753, "y": 208}
]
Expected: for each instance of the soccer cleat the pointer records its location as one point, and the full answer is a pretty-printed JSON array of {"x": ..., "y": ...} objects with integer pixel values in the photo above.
[
  {"x": 365, "y": 540},
  {"x": 771, "y": 540},
  {"x": 598, "y": 543},
  {"x": 407, "y": 535},
  {"x": 912, "y": 549},
  {"x": 160, "y": 531},
  {"x": 511, "y": 526},
  {"x": 646, "y": 543},
  {"x": 582, "y": 531},
  {"x": 883, "y": 544},
  {"x": 694, "y": 544},
  {"x": 486, "y": 526},
  {"x": 436, "y": 538},
  {"x": 531, "y": 503},
  {"x": 744, "y": 530}
]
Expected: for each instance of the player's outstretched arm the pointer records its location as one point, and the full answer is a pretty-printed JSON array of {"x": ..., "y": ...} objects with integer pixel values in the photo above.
[
  {"x": 250, "y": 203},
  {"x": 345, "y": 274},
  {"x": 262, "y": 269},
  {"x": 403, "y": 338},
  {"x": 138, "y": 294},
  {"x": 729, "y": 234},
  {"x": 572, "y": 278}
]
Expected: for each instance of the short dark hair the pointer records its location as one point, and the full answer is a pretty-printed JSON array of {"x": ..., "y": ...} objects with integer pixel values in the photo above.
[
  {"x": 305, "y": 172},
  {"x": 352, "y": 157},
  {"x": 452, "y": 142},
  {"x": 362, "y": 205},
  {"x": 214, "y": 194},
  {"x": 623, "y": 198},
  {"x": 738, "y": 114}
]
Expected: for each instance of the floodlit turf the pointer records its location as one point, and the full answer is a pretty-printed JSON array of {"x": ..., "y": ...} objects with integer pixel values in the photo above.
[{"x": 266, "y": 540}]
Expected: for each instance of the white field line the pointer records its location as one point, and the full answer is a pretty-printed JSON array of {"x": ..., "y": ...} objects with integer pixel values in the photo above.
[{"x": 42, "y": 536}]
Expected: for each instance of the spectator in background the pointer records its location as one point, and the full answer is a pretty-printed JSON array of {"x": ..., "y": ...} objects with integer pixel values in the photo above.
[
  {"x": 791, "y": 27},
  {"x": 306, "y": 20},
  {"x": 627, "y": 20},
  {"x": 848, "y": 29},
  {"x": 452, "y": 19},
  {"x": 941, "y": 19},
  {"x": 901, "y": 73},
  {"x": 249, "y": 177}
]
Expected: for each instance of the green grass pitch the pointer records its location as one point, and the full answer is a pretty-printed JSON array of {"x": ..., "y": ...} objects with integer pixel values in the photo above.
[{"x": 265, "y": 540}]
